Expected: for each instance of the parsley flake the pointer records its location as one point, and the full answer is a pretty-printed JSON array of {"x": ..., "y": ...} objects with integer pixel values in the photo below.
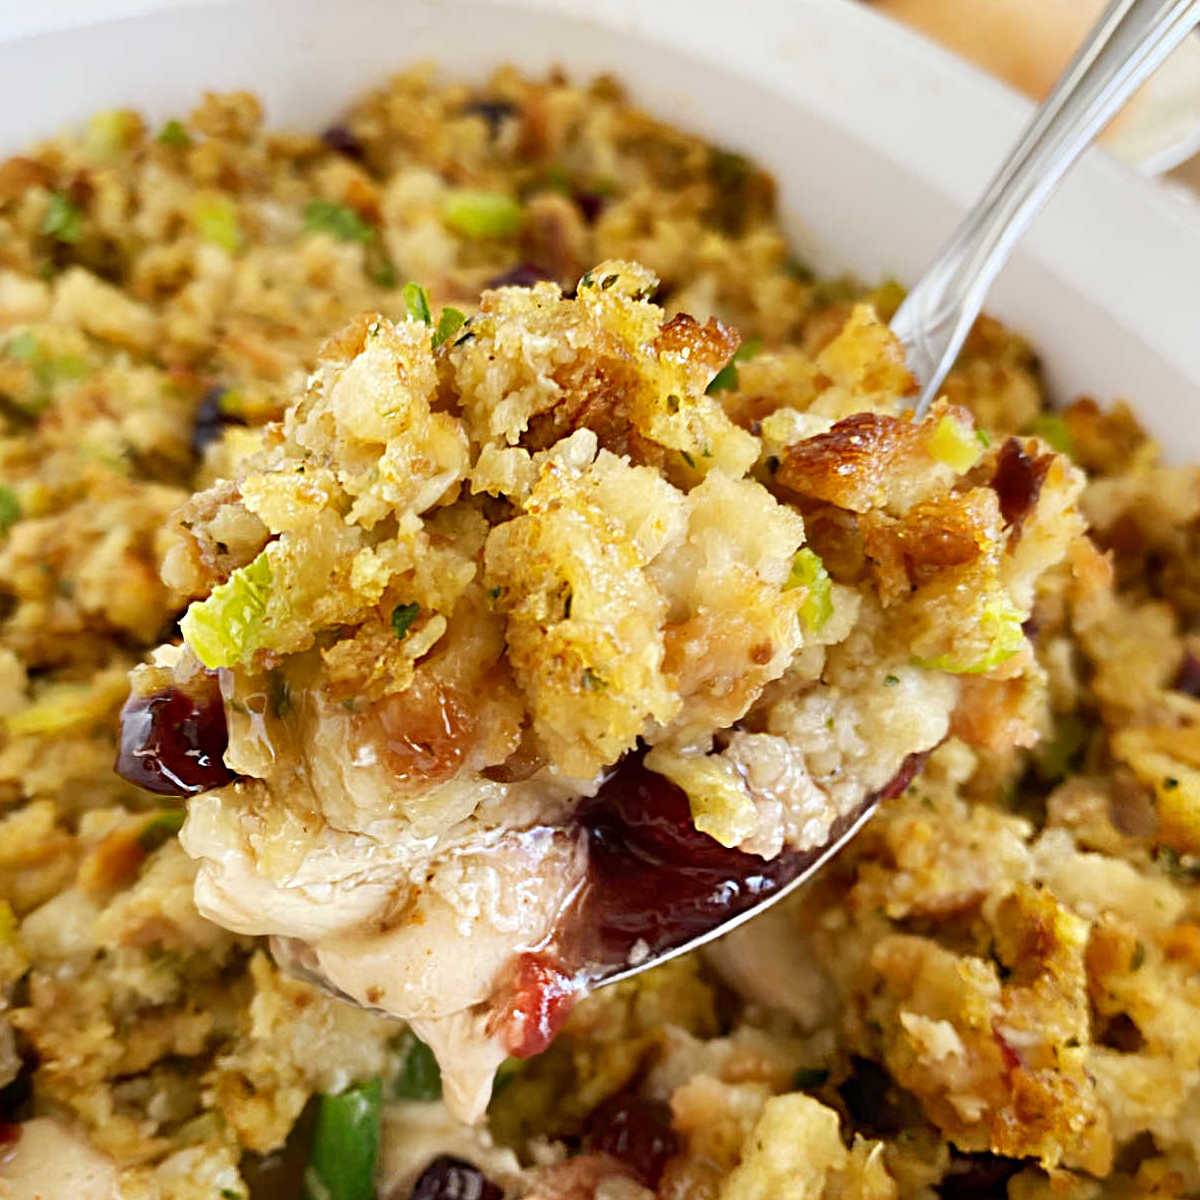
[{"x": 403, "y": 615}]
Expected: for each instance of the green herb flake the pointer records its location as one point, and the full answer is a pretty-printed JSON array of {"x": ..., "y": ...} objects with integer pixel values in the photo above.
[
  {"x": 338, "y": 220},
  {"x": 416, "y": 301},
  {"x": 449, "y": 323},
  {"x": 10, "y": 508},
  {"x": 403, "y": 615},
  {"x": 1170, "y": 784},
  {"x": 809, "y": 1077},
  {"x": 591, "y": 682},
  {"x": 345, "y": 1145},
  {"x": 419, "y": 1077},
  {"x": 160, "y": 829},
  {"x": 495, "y": 592},
  {"x": 726, "y": 379},
  {"x": 62, "y": 220},
  {"x": 174, "y": 134},
  {"x": 687, "y": 458},
  {"x": 891, "y": 680},
  {"x": 474, "y": 213},
  {"x": 983, "y": 438},
  {"x": 1138, "y": 958}
]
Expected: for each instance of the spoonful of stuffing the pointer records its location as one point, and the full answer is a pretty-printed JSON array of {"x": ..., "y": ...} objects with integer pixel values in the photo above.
[{"x": 534, "y": 647}]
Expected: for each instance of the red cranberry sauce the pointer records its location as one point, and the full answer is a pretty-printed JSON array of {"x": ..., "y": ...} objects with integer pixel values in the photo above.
[
  {"x": 173, "y": 742},
  {"x": 654, "y": 880},
  {"x": 533, "y": 1004}
]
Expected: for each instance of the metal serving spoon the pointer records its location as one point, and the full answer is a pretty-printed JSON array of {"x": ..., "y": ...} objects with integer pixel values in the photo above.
[
  {"x": 1118, "y": 56},
  {"x": 1131, "y": 38}
]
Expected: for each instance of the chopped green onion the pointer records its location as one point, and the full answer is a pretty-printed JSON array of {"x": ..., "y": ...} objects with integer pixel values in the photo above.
[
  {"x": 62, "y": 220},
  {"x": 417, "y": 302},
  {"x": 339, "y": 220},
  {"x": 481, "y": 214},
  {"x": 419, "y": 1077},
  {"x": 403, "y": 615},
  {"x": 808, "y": 571},
  {"x": 215, "y": 219},
  {"x": 449, "y": 323},
  {"x": 226, "y": 627},
  {"x": 173, "y": 134},
  {"x": 345, "y": 1145},
  {"x": 10, "y": 508},
  {"x": 983, "y": 438},
  {"x": 160, "y": 829},
  {"x": 1053, "y": 430},
  {"x": 726, "y": 379}
]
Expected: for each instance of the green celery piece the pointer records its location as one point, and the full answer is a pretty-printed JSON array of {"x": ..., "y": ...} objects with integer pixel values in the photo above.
[
  {"x": 481, "y": 214},
  {"x": 174, "y": 134},
  {"x": 215, "y": 219},
  {"x": 808, "y": 571},
  {"x": 1000, "y": 623},
  {"x": 1052, "y": 429},
  {"x": 345, "y": 1145},
  {"x": 62, "y": 220},
  {"x": 340, "y": 220},
  {"x": 955, "y": 445},
  {"x": 227, "y": 627}
]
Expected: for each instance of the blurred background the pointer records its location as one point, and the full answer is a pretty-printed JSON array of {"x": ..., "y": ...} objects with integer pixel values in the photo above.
[{"x": 1027, "y": 43}]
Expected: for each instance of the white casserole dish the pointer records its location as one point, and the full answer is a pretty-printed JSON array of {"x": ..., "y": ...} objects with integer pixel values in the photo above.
[{"x": 877, "y": 138}]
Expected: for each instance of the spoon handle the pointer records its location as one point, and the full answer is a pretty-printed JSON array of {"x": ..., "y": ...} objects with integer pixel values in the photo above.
[{"x": 1131, "y": 38}]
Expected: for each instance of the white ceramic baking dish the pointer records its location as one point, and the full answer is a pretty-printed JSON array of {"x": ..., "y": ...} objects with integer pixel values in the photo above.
[{"x": 878, "y": 139}]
